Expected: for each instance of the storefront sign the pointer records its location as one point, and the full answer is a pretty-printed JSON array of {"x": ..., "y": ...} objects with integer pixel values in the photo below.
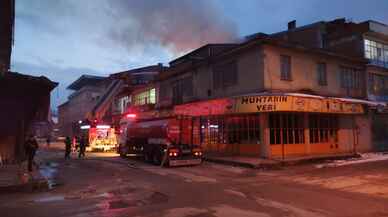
[
  {"x": 211, "y": 107},
  {"x": 250, "y": 104}
]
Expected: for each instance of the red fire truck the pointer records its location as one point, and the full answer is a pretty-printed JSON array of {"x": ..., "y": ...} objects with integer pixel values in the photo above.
[{"x": 162, "y": 141}]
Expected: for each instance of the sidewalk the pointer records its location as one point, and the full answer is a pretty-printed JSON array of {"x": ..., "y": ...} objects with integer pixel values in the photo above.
[
  {"x": 16, "y": 178},
  {"x": 276, "y": 163},
  {"x": 242, "y": 161}
]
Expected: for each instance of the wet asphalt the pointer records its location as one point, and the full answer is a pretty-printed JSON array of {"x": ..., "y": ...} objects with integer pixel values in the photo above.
[{"x": 107, "y": 185}]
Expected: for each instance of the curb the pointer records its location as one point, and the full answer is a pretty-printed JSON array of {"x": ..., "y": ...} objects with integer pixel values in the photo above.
[
  {"x": 280, "y": 164},
  {"x": 318, "y": 160},
  {"x": 272, "y": 166}
]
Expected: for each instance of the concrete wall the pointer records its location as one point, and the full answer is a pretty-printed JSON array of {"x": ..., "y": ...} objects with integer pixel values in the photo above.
[
  {"x": 346, "y": 134},
  {"x": 250, "y": 79},
  {"x": 77, "y": 108},
  {"x": 364, "y": 133},
  {"x": 304, "y": 73}
]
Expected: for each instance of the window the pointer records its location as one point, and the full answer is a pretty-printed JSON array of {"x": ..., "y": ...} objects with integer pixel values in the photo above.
[
  {"x": 181, "y": 88},
  {"x": 376, "y": 52},
  {"x": 285, "y": 67},
  {"x": 378, "y": 84},
  {"x": 122, "y": 104},
  {"x": 236, "y": 129},
  {"x": 225, "y": 75},
  {"x": 286, "y": 128},
  {"x": 323, "y": 128},
  {"x": 350, "y": 78},
  {"x": 146, "y": 97},
  {"x": 322, "y": 74}
]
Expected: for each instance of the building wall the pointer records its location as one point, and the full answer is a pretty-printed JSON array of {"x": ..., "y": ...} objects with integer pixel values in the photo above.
[
  {"x": 310, "y": 36},
  {"x": 304, "y": 73},
  {"x": 250, "y": 79},
  {"x": 7, "y": 17},
  {"x": 77, "y": 108}
]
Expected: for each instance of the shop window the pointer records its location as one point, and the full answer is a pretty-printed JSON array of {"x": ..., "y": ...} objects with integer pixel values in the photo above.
[
  {"x": 237, "y": 129},
  {"x": 285, "y": 67},
  {"x": 286, "y": 128},
  {"x": 323, "y": 128}
]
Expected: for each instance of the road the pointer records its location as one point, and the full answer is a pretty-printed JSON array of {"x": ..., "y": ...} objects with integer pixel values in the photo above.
[{"x": 106, "y": 185}]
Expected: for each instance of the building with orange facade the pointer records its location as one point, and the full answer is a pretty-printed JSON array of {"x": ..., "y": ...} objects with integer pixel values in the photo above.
[
  {"x": 270, "y": 98},
  {"x": 289, "y": 94}
]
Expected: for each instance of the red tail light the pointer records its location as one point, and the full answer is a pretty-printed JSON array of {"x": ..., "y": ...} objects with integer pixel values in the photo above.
[
  {"x": 197, "y": 152},
  {"x": 130, "y": 115},
  {"x": 173, "y": 152}
]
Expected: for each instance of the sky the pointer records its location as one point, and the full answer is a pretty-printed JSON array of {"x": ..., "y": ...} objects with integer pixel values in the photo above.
[{"x": 64, "y": 39}]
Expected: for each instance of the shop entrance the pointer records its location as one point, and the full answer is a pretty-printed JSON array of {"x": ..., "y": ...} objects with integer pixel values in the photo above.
[
  {"x": 286, "y": 134},
  {"x": 300, "y": 133},
  {"x": 323, "y": 133}
]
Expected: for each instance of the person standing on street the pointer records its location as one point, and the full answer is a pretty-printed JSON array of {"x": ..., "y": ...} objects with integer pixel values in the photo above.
[
  {"x": 48, "y": 140},
  {"x": 31, "y": 145},
  {"x": 82, "y": 147},
  {"x": 67, "y": 147}
]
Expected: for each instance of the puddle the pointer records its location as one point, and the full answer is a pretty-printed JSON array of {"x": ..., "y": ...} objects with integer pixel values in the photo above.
[{"x": 49, "y": 171}]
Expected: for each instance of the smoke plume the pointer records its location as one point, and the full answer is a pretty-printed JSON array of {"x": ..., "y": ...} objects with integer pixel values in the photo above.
[{"x": 179, "y": 25}]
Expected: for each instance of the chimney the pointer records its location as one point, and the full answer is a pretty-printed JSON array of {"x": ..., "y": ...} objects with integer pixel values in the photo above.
[{"x": 292, "y": 25}]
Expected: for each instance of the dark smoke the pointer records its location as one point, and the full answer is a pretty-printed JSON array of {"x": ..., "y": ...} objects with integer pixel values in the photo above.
[{"x": 179, "y": 25}]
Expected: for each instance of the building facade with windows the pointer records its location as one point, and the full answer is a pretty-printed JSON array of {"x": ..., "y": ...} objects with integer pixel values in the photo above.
[
  {"x": 270, "y": 98},
  {"x": 367, "y": 40},
  {"x": 87, "y": 91}
]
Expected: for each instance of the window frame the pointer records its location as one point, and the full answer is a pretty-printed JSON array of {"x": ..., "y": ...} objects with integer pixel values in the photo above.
[
  {"x": 350, "y": 77},
  {"x": 322, "y": 73},
  {"x": 225, "y": 74},
  {"x": 285, "y": 67},
  {"x": 376, "y": 52}
]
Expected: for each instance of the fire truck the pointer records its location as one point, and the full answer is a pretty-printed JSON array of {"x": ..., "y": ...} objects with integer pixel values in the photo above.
[
  {"x": 161, "y": 141},
  {"x": 101, "y": 137}
]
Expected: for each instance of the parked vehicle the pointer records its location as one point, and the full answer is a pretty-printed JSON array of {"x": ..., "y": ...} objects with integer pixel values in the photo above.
[
  {"x": 100, "y": 137},
  {"x": 159, "y": 141}
]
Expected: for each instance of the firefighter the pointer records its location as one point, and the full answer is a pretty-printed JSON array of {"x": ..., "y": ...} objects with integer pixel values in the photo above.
[
  {"x": 48, "y": 141},
  {"x": 68, "y": 144},
  {"x": 31, "y": 145},
  {"x": 82, "y": 147}
]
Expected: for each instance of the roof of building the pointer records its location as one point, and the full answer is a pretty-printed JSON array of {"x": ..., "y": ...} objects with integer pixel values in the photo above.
[
  {"x": 151, "y": 68},
  {"x": 85, "y": 80},
  {"x": 196, "y": 54},
  {"x": 33, "y": 80}
]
